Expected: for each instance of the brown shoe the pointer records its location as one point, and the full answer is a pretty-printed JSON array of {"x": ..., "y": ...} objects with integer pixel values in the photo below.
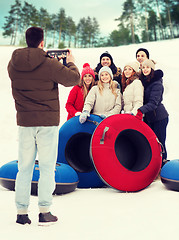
[{"x": 46, "y": 219}]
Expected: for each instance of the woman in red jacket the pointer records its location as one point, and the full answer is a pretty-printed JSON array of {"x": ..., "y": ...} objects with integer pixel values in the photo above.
[{"x": 77, "y": 95}]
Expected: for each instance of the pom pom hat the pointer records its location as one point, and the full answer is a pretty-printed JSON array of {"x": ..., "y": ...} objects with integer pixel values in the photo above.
[
  {"x": 87, "y": 70},
  {"x": 105, "y": 69},
  {"x": 134, "y": 65},
  {"x": 149, "y": 63}
]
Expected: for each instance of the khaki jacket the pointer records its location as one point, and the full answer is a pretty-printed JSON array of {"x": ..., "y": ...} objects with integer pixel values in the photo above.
[
  {"x": 103, "y": 104},
  {"x": 133, "y": 97}
]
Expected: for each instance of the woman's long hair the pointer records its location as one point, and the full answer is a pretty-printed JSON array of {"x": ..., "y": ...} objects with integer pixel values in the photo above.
[
  {"x": 84, "y": 88},
  {"x": 147, "y": 79},
  {"x": 112, "y": 86},
  {"x": 126, "y": 81}
]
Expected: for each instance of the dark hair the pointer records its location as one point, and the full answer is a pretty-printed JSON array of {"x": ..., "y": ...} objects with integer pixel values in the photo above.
[
  {"x": 34, "y": 36},
  {"x": 106, "y": 54},
  {"x": 143, "y": 50},
  {"x": 147, "y": 79},
  {"x": 112, "y": 66}
]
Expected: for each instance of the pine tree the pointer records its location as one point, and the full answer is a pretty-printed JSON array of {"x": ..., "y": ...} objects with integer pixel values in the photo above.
[
  {"x": 128, "y": 16},
  {"x": 70, "y": 30},
  {"x": 13, "y": 23},
  {"x": 61, "y": 23},
  {"x": 44, "y": 22},
  {"x": 168, "y": 6}
]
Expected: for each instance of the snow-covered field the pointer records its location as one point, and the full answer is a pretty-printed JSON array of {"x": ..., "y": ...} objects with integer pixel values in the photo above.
[{"x": 98, "y": 214}]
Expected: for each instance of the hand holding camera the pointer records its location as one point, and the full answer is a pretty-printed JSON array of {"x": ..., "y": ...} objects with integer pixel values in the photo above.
[
  {"x": 58, "y": 53},
  {"x": 70, "y": 57},
  {"x": 64, "y": 54}
]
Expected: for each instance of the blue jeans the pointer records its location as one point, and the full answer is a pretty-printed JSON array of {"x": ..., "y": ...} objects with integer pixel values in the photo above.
[{"x": 33, "y": 140}]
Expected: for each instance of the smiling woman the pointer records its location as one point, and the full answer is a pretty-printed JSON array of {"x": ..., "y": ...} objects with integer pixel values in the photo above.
[
  {"x": 132, "y": 88},
  {"x": 104, "y": 99}
]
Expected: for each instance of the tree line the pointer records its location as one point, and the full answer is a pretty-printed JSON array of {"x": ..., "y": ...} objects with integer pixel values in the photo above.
[
  {"x": 146, "y": 20},
  {"x": 140, "y": 21},
  {"x": 59, "y": 29}
]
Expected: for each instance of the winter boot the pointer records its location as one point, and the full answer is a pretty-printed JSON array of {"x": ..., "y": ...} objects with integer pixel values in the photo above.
[
  {"x": 46, "y": 219},
  {"x": 23, "y": 219}
]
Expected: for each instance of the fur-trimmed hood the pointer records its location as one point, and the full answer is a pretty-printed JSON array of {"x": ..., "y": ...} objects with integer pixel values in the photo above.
[{"x": 158, "y": 75}]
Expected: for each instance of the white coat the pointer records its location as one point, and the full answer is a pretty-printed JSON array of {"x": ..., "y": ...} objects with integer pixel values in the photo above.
[
  {"x": 104, "y": 103},
  {"x": 133, "y": 97}
]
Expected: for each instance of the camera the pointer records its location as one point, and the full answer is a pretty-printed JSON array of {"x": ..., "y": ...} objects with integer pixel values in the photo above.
[{"x": 57, "y": 53}]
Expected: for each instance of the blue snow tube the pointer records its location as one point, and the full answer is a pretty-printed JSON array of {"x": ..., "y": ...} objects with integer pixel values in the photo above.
[
  {"x": 74, "y": 149},
  {"x": 170, "y": 175},
  {"x": 65, "y": 177}
]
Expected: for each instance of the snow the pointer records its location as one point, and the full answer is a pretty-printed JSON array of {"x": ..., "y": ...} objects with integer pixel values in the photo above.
[{"x": 98, "y": 214}]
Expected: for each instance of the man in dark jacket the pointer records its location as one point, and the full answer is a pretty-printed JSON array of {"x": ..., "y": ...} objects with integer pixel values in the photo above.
[{"x": 35, "y": 78}]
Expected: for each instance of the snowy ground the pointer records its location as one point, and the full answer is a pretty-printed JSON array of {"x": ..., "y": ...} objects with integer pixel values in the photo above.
[{"x": 98, "y": 214}]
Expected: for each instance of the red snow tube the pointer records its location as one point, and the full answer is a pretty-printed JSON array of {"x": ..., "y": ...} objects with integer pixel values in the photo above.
[{"x": 126, "y": 152}]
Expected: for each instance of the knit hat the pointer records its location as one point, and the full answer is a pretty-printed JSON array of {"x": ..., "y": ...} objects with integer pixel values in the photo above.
[
  {"x": 143, "y": 50},
  {"x": 87, "y": 70},
  {"x": 149, "y": 63},
  {"x": 105, "y": 69},
  {"x": 134, "y": 65},
  {"x": 106, "y": 54}
]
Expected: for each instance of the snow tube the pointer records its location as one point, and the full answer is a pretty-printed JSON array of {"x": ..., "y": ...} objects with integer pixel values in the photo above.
[
  {"x": 126, "y": 152},
  {"x": 65, "y": 177},
  {"x": 170, "y": 175},
  {"x": 74, "y": 149}
]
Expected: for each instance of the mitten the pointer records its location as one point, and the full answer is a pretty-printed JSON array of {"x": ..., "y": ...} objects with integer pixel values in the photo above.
[
  {"x": 83, "y": 116},
  {"x": 77, "y": 113},
  {"x": 103, "y": 116},
  {"x": 139, "y": 115}
]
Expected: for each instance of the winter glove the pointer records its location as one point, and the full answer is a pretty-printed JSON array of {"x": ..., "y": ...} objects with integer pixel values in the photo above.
[
  {"x": 139, "y": 115},
  {"x": 103, "y": 116},
  {"x": 77, "y": 113},
  {"x": 83, "y": 116}
]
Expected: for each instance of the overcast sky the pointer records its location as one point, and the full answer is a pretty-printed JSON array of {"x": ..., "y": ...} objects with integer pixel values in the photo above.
[{"x": 105, "y": 11}]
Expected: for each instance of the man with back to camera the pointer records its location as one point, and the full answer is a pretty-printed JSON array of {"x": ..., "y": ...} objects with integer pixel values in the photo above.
[{"x": 34, "y": 81}]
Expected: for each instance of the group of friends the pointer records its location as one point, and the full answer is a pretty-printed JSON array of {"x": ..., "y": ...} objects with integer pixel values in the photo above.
[
  {"x": 137, "y": 90},
  {"x": 104, "y": 91}
]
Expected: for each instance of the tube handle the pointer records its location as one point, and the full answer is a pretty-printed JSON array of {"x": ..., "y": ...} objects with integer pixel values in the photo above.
[
  {"x": 95, "y": 122},
  {"x": 161, "y": 145},
  {"x": 103, "y": 136}
]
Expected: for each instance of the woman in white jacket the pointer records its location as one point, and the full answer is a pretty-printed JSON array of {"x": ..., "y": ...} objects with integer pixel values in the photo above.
[
  {"x": 132, "y": 88},
  {"x": 104, "y": 99}
]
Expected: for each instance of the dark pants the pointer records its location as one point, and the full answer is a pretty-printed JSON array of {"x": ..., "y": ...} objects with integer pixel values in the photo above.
[{"x": 159, "y": 129}]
